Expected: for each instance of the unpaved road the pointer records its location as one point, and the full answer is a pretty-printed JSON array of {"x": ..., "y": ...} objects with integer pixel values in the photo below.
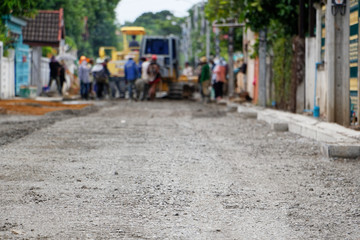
[{"x": 170, "y": 170}]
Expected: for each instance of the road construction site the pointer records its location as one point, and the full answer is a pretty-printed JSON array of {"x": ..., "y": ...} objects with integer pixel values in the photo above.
[{"x": 170, "y": 170}]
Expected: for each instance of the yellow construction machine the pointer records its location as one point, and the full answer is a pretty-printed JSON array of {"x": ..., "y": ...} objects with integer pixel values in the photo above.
[
  {"x": 166, "y": 49},
  {"x": 118, "y": 58}
]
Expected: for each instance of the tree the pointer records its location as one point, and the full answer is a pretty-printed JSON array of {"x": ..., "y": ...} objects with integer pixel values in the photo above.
[
  {"x": 260, "y": 14},
  {"x": 224, "y": 9},
  {"x": 100, "y": 25},
  {"x": 18, "y": 7},
  {"x": 161, "y": 23},
  {"x": 280, "y": 20}
]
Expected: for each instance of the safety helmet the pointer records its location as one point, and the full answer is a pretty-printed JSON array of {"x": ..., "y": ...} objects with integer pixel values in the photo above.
[
  {"x": 154, "y": 57},
  {"x": 82, "y": 58}
]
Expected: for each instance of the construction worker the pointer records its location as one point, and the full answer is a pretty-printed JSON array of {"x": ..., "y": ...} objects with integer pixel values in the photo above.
[
  {"x": 142, "y": 84},
  {"x": 83, "y": 74},
  {"x": 131, "y": 74},
  {"x": 134, "y": 43},
  {"x": 205, "y": 79},
  {"x": 54, "y": 66},
  {"x": 154, "y": 76}
]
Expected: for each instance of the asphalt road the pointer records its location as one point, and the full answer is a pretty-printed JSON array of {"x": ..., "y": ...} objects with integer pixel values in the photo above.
[{"x": 169, "y": 170}]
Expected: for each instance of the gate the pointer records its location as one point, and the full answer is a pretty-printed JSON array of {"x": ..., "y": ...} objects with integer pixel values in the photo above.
[{"x": 22, "y": 66}]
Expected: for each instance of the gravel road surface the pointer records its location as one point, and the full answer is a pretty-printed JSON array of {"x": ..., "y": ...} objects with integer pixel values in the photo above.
[{"x": 169, "y": 170}]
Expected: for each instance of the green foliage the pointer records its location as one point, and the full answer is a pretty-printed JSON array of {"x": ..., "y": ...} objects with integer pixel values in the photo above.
[
  {"x": 221, "y": 10},
  {"x": 7, "y": 41},
  {"x": 70, "y": 42},
  {"x": 198, "y": 44},
  {"x": 161, "y": 23},
  {"x": 46, "y": 51},
  {"x": 282, "y": 70},
  {"x": 18, "y": 7},
  {"x": 260, "y": 14},
  {"x": 3, "y": 38},
  {"x": 100, "y": 25},
  {"x": 279, "y": 17},
  {"x": 85, "y": 49},
  {"x": 275, "y": 31}
]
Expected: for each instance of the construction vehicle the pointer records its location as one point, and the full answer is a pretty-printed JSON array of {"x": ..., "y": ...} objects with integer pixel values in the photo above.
[
  {"x": 167, "y": 51},
  {"x": 118, "y": 58}
]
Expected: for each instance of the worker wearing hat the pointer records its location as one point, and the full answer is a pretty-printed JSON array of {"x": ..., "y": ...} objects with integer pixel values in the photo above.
[
  {"x": 82, "y": 58},
  {"x": 83, "y": 74},
  {"x": 205, "y": 79}
]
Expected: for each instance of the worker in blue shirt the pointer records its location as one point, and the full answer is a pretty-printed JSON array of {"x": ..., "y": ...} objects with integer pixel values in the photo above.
[{"x": 131, "y": 74}]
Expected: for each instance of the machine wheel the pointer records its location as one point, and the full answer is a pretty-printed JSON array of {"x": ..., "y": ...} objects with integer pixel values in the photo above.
[{"x": 176, "y": 90}]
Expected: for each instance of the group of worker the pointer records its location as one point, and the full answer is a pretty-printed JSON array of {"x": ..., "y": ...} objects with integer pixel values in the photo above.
[
  {"x": 142, "y": 78},
  {"x": 95, "y": 79},
  {"x": 211, "y": 77}
]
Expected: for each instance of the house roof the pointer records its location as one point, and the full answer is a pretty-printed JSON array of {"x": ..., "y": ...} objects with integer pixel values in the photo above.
[{"x": 46, "y": 29}]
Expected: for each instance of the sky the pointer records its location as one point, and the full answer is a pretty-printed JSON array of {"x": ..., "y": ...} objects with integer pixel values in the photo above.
[{"x": 129, "y": 10}]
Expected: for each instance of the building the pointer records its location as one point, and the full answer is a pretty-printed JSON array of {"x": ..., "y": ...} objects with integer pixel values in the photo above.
[
  {"x": 15, "y": 27},
  {"x": 47, "y": 29}
]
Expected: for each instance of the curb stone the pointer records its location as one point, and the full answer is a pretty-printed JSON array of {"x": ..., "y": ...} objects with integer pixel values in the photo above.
[{"x": 335, "y": 141}]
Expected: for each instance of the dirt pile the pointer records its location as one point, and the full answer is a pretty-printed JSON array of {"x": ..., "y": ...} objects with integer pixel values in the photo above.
[{"x": 34, "y": 107}]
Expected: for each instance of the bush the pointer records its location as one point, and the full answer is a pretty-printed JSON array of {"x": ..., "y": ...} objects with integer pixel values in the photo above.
[
  {"x": 282, "y": 71},
  {"x": 47, "y": 51}
]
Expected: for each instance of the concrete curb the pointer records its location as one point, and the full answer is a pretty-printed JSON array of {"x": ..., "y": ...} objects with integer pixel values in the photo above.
[{"x": 335, "y": 141}]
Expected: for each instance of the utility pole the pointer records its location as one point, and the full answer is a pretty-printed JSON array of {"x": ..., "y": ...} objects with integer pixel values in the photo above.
[
  {"x": 217, "y": 42},
  {"x": 262, "y": 68},
  {"x": 205, "y": 30},
  {"x": 189, "y": 22},
  {"x": 207, "y": 39},
  {"x": 337, "y": 65}
]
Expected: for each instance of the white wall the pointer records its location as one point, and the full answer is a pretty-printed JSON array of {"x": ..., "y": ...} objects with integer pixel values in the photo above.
[
  {"x": 7, "y": 75},
  {"x": 36, "y": 68},
  {"x": 44, "y": 71},
  {"x": 310, "y": 76},
  {"x": 321, "y": 92},
  {"x": 310, "y": 60}
]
